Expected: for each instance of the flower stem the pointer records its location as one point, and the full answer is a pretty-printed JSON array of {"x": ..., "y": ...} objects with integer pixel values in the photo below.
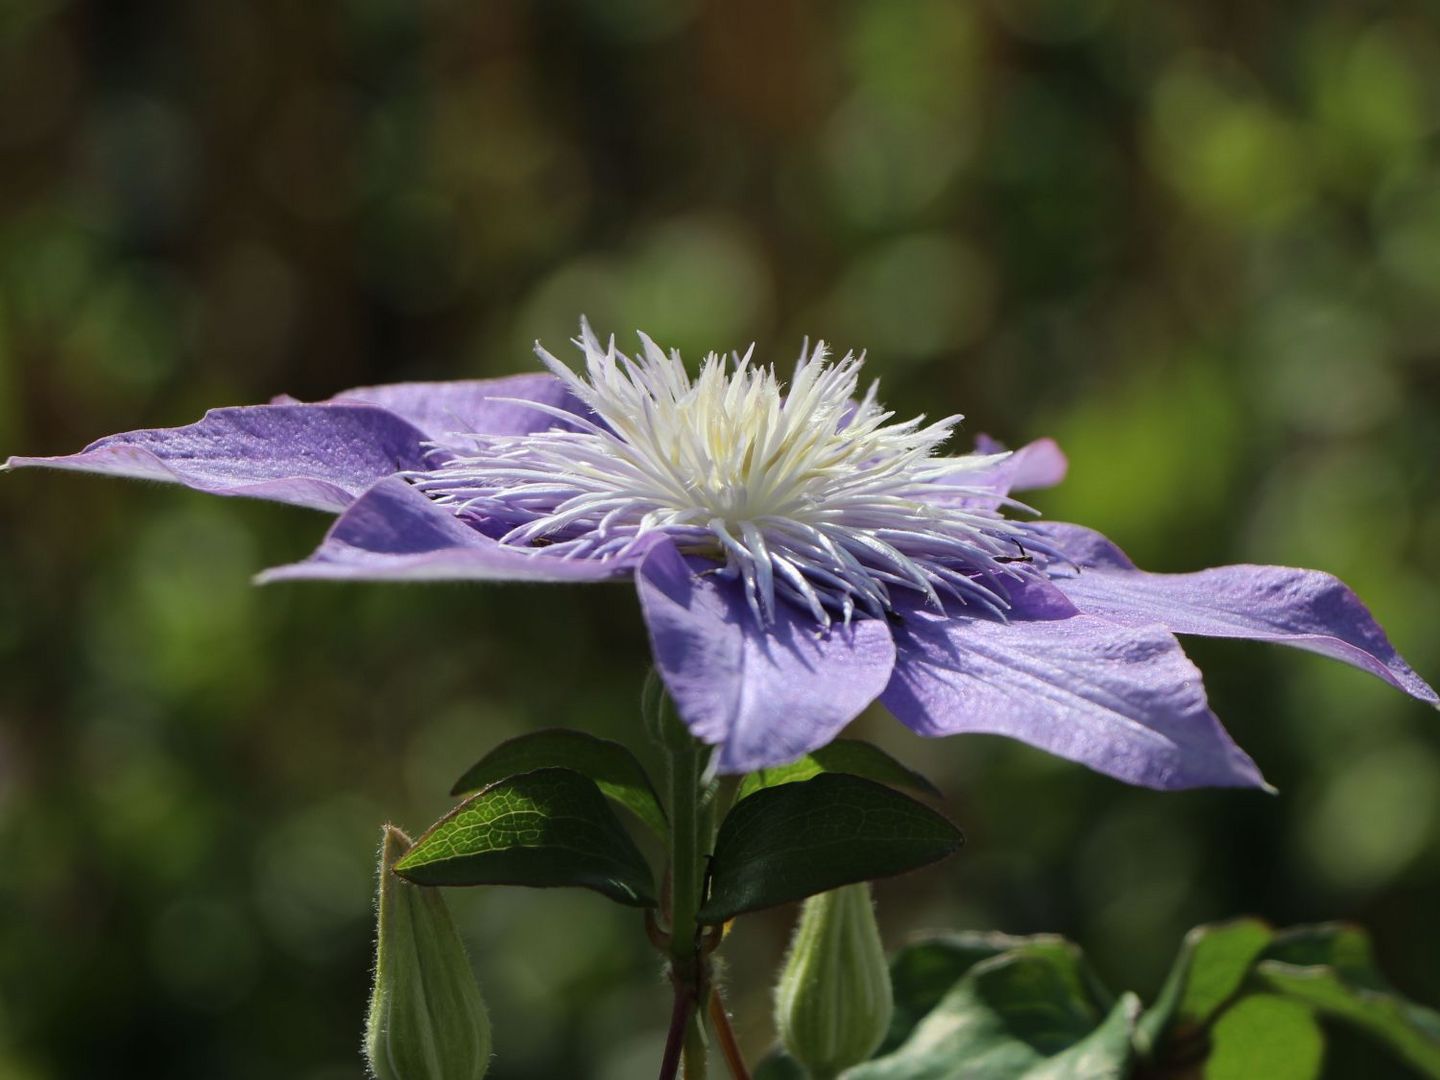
[
  {"x": 696, "y": 1057},
  {"x": 680, "y": 1015},
  {"x": 687, "y": 850},
  {"x": 691, "y": 834}
]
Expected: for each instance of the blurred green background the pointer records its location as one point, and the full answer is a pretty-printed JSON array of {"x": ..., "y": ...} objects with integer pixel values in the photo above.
[{"x": 1197, "y": 242}]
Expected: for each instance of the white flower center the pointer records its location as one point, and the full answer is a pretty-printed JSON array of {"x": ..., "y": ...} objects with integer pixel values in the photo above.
[{"x": 804, "y": 495}]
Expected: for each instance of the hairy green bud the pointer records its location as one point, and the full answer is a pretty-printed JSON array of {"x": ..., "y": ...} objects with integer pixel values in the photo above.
[
  {"x": 833, "y": 1003},
  {"x": 427, "y": 1020}
]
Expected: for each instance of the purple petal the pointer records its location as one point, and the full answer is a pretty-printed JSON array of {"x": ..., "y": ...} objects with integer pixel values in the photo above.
[
  {"x": 1039, "y": 464},
  {"x": 394, "y": 533},
  {"x": 766, "y": 694},
  {"x": 1304, "y": 608},
  {"x": 309, "y": 455},
  {"x": 472, "y": 406},
  {"x": 1125, "y": 702},
  {"x": 1086, "y": 548},
  {"x": 1035, "y": 465}
]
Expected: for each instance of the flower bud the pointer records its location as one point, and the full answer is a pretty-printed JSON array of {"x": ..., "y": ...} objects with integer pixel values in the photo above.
[
  {"x": 427, "y": 1020},
  {"x": 833, "y": 1004}
]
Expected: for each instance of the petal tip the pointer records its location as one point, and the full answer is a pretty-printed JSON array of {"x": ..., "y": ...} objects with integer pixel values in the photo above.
[
  {"x": 1246, "y": 774},
  {"x": 286, "y": 572},
  {"x": 1423, "y": 691}
]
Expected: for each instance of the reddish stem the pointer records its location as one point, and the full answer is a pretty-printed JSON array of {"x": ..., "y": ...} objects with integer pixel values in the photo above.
[
  {"x": 675, "y": 1039},
  {"x": 720, "y": 1020}
]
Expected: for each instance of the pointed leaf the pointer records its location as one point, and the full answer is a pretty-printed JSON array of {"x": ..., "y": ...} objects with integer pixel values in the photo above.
[
  {"x": 1023, "y": 1015},
  {"x": 1212, "y": 965},
  {"x": 544, "y": 828},
  {"x": 1331, "y": 969},
  {"x": 615, "y": 770},
  {"x": 853, "y": 756},
  {"x": 789, "y": 842}
]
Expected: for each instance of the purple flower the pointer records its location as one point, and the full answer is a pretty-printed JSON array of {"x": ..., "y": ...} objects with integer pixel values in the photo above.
[{"x": 798, "y": 554}]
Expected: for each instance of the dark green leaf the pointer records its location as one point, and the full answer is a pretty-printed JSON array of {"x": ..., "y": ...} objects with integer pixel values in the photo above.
[
  {"x": 1341, "y": 946},
  {"x": 923, "y": 972},
  {"x": 543, "y": 828},
  {"x": 1210, "y": 969},
  {"x": 841, "y": 756},
  {"x": 788, "y": 842},
  {"x": 1023, "y": 1015},
  {"x": 613, "y": 768},
  {"x": 1265, "y": 1036}
]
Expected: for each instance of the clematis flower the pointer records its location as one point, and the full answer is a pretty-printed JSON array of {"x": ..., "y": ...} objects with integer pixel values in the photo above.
[{"x": 798, "y": 554}]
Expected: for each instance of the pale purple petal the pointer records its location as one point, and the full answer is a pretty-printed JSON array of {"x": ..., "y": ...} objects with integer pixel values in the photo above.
[
  {"x": 394, "y": 533},
  {"x": 1035, "y": 465},
  {"x": 473, "y": 406},
  {"x": 1086, "y": 548},
  {"x": 308, "y": 455},
  {"x": 1304, "y": 608},
  {"x": 1039, "y": 464},
  {"x": 1126, "y": 702},
  {"x": 765, "y": 694}
]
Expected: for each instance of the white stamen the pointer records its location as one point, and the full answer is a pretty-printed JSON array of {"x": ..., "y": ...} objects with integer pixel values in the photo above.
[{"x": 807, "y": 497}]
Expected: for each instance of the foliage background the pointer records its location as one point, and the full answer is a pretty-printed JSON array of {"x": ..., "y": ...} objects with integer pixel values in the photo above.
[{"x": 1198, "y": 242}]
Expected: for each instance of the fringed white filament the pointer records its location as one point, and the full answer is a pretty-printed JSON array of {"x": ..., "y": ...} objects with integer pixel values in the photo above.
[{"x": 803, "y": 495}]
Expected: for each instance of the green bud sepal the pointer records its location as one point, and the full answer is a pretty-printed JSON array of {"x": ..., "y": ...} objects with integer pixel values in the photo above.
[
  {"x": 833, "y": 1002},
  {"x": 427, "y": 1020}
]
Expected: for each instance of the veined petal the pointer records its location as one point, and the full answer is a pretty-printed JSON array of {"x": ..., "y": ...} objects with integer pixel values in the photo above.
[
  {"x": 1308, "y": 609},
  {"x": 473, "y": 406},
  {"x": 308, "y": 455},
  {"x": 1126, "y": 702},
  {"x": 394, "y": 533},
  {"x": 766, "y": 693}
]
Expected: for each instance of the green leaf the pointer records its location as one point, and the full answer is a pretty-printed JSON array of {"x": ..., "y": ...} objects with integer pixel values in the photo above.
[
  {"x": 1331, "y": 969},
  {"x": 1212, "y": 966},
  {"x": 923, "y": 972},
  {"x": 789, "y": 842},
  {"x": 1028, "y": 1014},
  {"x": 1265, "y": 1036},
  {"x": 841, "y": 756},
  {"x": 614, "y": 769},
  {"x": 544, "y": 828}
]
